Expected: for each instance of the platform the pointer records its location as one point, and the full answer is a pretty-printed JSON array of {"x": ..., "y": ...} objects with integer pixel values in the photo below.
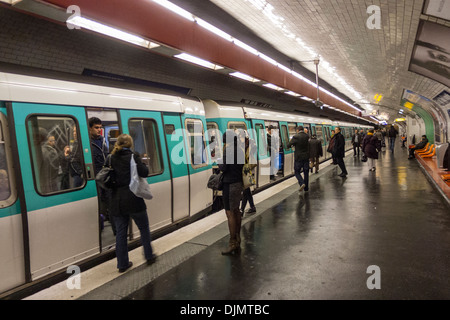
[{"x": 346, "y": 236}]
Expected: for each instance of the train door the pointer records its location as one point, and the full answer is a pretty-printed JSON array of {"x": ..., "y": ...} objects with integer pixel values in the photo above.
[
  {"x": 199, "y": 163},
  {"x": 109, "y": 130},
  {"x": 146, "y": 129},
  {"x": 263, "y": 175},
  {"x": 178, "y": 165},
  {"x": 60, "y": 196},
  {"x": 12, "y": 264},
  {"x": 288, "y": 153}
]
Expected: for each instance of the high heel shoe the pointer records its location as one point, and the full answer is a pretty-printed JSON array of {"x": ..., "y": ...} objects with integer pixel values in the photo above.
[{"x": 232, "y": 249}]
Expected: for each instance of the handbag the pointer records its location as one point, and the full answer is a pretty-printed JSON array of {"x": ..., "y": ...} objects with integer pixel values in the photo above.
[
  {"x": 248, "y": 178},
  {"x": 138, "y": 185},
  {"x": 215, "y": 181},
  {"x": 106, "y": 176},
  {"x": 364, "y": 158}
]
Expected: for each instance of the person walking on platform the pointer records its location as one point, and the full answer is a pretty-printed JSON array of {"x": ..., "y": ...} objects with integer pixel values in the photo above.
[
  {"x": 392, "y": 135},
  {"x": 231, "y": 165},
  {"x": 125, "y": 205},
  {"x": 339, "y": 151},
  {"x": 315, "y": 152},
  {"x": 356, "y": 143},
  {"x": 301, "y": 143},
  {"x": 371, "y": 146}
]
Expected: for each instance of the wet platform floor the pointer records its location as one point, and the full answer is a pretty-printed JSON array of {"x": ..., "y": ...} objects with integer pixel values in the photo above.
[{"x": 316, "y": 245}]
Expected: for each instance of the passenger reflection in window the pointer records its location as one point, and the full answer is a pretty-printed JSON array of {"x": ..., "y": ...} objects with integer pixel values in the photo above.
[
  {"x": 50, "y": 166},
  {"x": 5, "y": 191},
  {"x": 72, "y": 163}
]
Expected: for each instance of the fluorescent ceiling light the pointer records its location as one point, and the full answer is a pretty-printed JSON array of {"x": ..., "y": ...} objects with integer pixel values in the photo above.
[
  {"x": 198, "y": 61},
  {"x": 176, "y": 9},
  {"x": 272, "y": 86},
  {"x": 292, "y": 94},
  {"x": 244, "y": 76},
  {"x": 245, "y": 47},
  {"x": 12, "y": 2},
  {"x": 268, "y": 59},
  {"x": 213, "y": 29},
  {"x": 111, "y": 32}
]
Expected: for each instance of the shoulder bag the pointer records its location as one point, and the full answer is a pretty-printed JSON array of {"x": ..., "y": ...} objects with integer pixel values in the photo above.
[{"x": 138, "y": 185}]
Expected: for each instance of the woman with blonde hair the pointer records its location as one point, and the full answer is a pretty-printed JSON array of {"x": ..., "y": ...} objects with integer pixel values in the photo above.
[{"x": 125, "y": 205}]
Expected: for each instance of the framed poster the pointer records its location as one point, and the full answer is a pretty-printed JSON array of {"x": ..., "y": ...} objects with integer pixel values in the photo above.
[{"x": 431, "y": 54}]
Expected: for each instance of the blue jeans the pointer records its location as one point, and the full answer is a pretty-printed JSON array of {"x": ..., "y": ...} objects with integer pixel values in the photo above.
[
  {"x": 298, "y": 166},
  {"x": 141, "y": 220},
  {"x": 391, "y": 143}
]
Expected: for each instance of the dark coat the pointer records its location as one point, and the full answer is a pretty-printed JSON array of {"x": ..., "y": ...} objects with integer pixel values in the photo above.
[
  {"x": 232, "y": 168},
  {"x": 360, "y": 139},
  {"x": 99, "y": 153},
  {"x": 301, "y": 143},
  {"x": 122, "y": 199},
  {"x": 371, "y": 145},
  {"x": 315, "y": 148},
  {"x": 339, "y": 145}
]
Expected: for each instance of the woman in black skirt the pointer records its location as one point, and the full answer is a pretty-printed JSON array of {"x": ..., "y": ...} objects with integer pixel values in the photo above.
[{"x": 232, "y": 163}]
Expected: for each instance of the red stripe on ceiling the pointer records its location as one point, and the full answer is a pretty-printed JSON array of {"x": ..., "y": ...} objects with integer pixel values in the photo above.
[{"x": 154, "y": 22}]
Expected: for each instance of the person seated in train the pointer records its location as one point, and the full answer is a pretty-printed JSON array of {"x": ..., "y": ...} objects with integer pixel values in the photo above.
[
  {"x": 315, "y": 152},
  {"x": 422, "y": 144}
]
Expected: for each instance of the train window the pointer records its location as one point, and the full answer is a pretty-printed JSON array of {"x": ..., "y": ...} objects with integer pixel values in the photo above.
[
  {"x": 7, "y": 186},
  {"x": 319, "y": 133},
  {"x": 292, "y": 130},
  {"x": 56, "y": 153},
  {"x": 261, "y": 139},
  {"x": 146, "y": 143},
  {"x": 196, "y": 142},
  {"x": 215, "y": 141},
  {"x": 234, "y": 125},
  {"x": 284, "y": 133}
]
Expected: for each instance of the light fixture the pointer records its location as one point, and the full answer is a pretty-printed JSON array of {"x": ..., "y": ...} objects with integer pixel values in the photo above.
[
  {"x": 244, "y": 76},
  {"x": 272, "y": 86},
  {"x": 213, "y": 29},
  {"x": 198, "y": 61},
  {"x": 111, "y": 32},
  {"x": 176, "y": 9}
]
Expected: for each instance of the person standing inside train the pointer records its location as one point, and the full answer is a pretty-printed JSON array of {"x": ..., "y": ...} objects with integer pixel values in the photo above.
[
  {"x": 301, "y": 143},
  {"x": 99, "y": 154},
  {"x": 125, "y": 205},
  {"x": 339, "y": 151},
  {"x": 231, "y": 165}
]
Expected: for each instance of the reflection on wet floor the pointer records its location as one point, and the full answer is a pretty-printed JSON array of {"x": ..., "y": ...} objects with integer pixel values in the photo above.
[{"x": 322, "y": 244}]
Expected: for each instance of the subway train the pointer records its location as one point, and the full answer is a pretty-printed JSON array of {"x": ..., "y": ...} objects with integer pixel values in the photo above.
[{"x": 49, "y": 217}]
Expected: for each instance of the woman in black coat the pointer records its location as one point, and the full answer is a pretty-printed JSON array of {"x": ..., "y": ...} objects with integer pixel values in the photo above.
[
  {"x": 370, "y": 146},
  {"x": 124, "y": 204}
]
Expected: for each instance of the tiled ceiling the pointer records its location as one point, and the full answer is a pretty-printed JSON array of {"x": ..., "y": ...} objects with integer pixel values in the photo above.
[{"x": 358, "y": 61}]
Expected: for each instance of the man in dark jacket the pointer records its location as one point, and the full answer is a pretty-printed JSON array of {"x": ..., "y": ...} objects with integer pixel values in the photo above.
[
  {"x": 392, "y": 135},
  {"x": 339, "y": 151},
  {"x": 315, "y": 152},
  {"x": 99, "y": 154},
  {"x": 422, "y": 144},
  {"x": 356, "y": 142},
  {"x": 301, "y": 143}
]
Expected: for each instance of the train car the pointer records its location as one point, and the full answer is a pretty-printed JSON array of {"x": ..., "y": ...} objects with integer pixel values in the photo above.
[
  {"x": 223, "y": 115},
  {"x": 49, "y": 215}
]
